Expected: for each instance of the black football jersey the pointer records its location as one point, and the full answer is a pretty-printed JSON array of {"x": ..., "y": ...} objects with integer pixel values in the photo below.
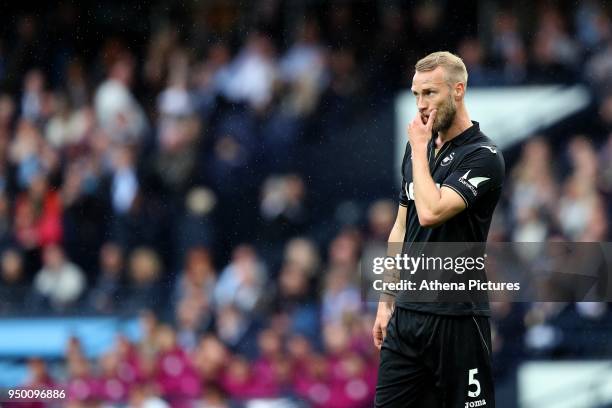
[{"x": 473, "y": 166}]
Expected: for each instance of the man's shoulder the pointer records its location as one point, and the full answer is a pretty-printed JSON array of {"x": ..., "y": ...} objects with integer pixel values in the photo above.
[
  {"x": 482, "y": 140},
  {"x": 482, "y": 146},
  {"x": 482, "y": 152}
]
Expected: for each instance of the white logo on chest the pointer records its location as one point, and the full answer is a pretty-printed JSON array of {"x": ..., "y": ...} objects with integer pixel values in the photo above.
[
  {"x": 409, "y": 189},
  {"x": 446, "y": 161}
]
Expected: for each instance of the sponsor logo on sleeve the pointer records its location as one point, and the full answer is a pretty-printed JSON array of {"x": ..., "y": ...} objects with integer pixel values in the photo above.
[{"x": 472, "y": 183}]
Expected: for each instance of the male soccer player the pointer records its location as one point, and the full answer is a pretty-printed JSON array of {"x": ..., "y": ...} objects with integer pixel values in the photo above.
[{"x": 439, "y": 354}]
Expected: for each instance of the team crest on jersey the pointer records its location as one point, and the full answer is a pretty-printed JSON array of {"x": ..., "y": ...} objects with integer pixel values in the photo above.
[{"x": 446, "y": 161}]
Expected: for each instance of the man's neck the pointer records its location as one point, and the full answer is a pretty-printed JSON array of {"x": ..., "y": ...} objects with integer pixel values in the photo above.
[{"x": 461, "y": 123}]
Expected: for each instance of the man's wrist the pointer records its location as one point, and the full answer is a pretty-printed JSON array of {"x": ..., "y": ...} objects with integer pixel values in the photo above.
[
  {"x": 387, "y": 297},
  {"x": 419, "y": 149}
]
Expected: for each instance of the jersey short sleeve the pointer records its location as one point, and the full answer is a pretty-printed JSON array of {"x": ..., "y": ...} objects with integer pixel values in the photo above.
[
  {"x": 403, "y": 195},
  {"x": 479, "y": 173}
]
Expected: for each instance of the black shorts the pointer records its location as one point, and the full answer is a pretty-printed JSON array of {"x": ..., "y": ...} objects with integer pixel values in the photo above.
[{"x": 435, "y": 361}]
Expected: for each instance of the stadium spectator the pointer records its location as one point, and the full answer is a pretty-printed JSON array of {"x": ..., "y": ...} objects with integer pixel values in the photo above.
[
  {"x": 593, "y": 26},
  {"x": 341, "y": 297},
  {"x": 33, "y": 97},
  {"x": 555, "y": 53},
  {"x": 60, "y": 284},
  {"x": 15, "y": 287},
  {"x": 148, "y": 322},
  {"x": 197, "y": 281},
  {"x": 196, "y": 227},
  {"x": 189, "y": 323},
  {"x": 296, "y": 300},
  {"x": 209, "y": 76},
  {"x": 253, "y": 73},
  {"x": 241, "y": 283},
  {"x": 144, "y": 287},
  {"x": 112, "y": 387},
  {"x": 471, "y": 52},
  {"x": 210, "y": 361},
  {"x": 175, "y": 376},
  {"x": 82, "y": 386},
  {"x": 508, "y": 48},
  {"x": 534, "y": 192},
  {"x": 105, "y": 295},
  {"x": 304, "y": 68},
  {"x": 581, "y": 211},
  {"x": 270, "y": 370},
  {"x": 118, "y": 112},
  {"x": 234, "y": 327},
  {"x": 66, "y": 127},
  {"x": 38, "y": 213}
]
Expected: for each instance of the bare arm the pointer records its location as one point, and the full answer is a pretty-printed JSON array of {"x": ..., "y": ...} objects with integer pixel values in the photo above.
[
  {"x": 394, "y": 246},
  {"x": 387, "y": 300},
  {"x": 398, "y": 232},
  {"x": 434, "y": 206}
]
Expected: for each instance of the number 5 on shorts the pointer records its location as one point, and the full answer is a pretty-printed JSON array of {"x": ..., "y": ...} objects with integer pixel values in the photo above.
[{"x": 472, "y": 380}]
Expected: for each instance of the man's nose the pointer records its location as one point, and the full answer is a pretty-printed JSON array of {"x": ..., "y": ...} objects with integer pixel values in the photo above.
[{"x": 421, "y": 105}]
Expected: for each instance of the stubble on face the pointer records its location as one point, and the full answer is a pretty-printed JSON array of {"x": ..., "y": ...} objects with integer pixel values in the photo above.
[{"x": 445, "y": 115}]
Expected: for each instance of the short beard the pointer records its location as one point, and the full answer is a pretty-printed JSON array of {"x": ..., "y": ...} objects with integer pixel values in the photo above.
[{"x": 445, "y": 116}]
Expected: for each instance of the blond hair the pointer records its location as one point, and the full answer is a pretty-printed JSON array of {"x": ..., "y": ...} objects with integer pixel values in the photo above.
[{"x": 454, "y": 67}]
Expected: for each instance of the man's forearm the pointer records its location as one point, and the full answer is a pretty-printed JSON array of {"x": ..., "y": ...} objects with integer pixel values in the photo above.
[
  {"x": 426, "y": 195},
  {"x": 396, "y": 236},
  {"x": 394, "y": 247}
]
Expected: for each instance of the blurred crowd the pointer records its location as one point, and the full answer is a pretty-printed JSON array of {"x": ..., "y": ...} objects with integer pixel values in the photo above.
[
  {"x": 174, "y": 180},
  {"x": 165, "y": 369}
]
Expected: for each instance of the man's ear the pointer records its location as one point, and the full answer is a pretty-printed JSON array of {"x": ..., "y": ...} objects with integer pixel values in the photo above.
[{"x": 459, "y": 90}]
